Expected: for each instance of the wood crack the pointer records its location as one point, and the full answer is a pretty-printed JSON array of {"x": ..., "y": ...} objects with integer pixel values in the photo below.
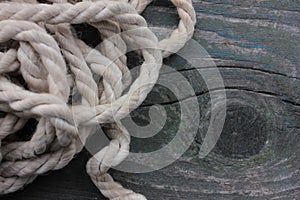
[
  {"x": 237, "y": 67},
  {"x": 227, "y": 89}
]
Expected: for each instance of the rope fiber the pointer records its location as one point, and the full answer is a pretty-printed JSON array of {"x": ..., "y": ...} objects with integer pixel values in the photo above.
[{"x": 43, "y": 65}]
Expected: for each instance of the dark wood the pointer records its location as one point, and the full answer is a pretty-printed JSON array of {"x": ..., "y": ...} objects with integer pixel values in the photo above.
[{"x": 256, "y": 46}]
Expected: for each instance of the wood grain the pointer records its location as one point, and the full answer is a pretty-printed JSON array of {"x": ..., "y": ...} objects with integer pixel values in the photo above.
[{"x": 256, "y": 46}]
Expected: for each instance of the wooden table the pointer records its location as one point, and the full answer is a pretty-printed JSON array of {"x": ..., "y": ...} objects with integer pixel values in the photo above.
[{"x": 256, "y": 46}]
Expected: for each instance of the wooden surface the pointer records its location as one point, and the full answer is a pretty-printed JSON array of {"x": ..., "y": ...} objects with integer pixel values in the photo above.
[{"x": 256, "y": 46}]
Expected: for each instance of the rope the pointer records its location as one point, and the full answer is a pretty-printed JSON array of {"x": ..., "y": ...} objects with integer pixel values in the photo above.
[{"x": 44, "y": 65}]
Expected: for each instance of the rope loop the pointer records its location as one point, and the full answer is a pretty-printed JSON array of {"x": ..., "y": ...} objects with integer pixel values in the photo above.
[{"x": 47, "y": 74}]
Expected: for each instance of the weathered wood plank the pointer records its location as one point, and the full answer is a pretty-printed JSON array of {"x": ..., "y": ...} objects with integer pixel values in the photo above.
[{"x": 235, "y": 34}]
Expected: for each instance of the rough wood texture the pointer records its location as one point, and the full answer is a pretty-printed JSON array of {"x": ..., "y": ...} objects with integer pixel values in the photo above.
[{"x": 256, "y": 46}]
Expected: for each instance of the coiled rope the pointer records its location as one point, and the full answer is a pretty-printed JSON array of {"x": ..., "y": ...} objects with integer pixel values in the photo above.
[{"x": 44, "y": 64}]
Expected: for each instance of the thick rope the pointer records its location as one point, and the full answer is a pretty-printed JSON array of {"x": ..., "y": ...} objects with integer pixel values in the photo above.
[{"x": 46, "y": 66}]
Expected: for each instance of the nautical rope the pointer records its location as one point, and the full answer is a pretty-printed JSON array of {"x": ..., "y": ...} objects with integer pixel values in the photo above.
[{"x": 44, "y": 65}]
